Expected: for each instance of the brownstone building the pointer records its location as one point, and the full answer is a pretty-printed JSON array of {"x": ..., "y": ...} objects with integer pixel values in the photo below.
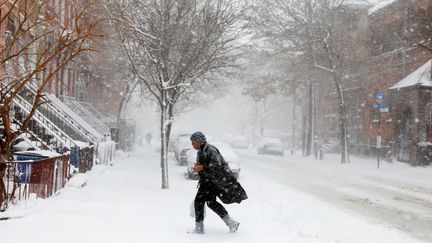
[{"x": 76, "y": 79}]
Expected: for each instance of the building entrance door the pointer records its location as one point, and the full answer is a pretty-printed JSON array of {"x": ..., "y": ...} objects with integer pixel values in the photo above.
[{"x": 405, "y": 139}]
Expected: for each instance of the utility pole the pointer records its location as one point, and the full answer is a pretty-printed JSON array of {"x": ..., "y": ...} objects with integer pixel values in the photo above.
[
  {"x": 378, "y": 142},
  {"x": 381, "y": 107}
]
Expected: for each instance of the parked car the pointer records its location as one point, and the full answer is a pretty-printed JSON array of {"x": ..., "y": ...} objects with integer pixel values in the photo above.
[
  {"x": 238, "y": 141},
  {"x": 227, "y": 153},
  {"x": 182, "y": 145},
  {"x": 172, "y": 142},
  {"x": 270, "y": 145}
]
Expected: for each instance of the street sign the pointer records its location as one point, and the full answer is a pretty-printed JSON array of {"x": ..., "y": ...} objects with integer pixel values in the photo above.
[
  {"x": 382, "y": 107},
  {"x": 378, "y": 142},
  {"x": 379, "y": 96}
]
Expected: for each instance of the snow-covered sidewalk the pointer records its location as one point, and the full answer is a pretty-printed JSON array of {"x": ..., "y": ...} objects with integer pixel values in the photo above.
[{"x": 124, "y": 203}]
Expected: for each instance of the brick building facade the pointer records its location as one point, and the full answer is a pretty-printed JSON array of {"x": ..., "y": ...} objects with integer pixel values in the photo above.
[
  {"x": 394, "y": 41},
  {"x": 395, "y": 32},
  {"x": 75, "y": 79}
]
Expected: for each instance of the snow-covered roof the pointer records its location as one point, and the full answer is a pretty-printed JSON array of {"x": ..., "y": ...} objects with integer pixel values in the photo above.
[
  {"x": 361, "y": 2},
  {"x": 42, "y": 153},
  {"x": 81, "y": 144},
  {"x": 421, "y": 76},
  {"x": 380, "y": 5}
]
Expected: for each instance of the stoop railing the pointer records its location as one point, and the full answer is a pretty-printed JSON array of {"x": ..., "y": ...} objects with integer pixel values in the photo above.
[
  {"x": 87, "y": 113},
  {"x": 42, "y": 120},
  {"x": 65, "y": 118}
]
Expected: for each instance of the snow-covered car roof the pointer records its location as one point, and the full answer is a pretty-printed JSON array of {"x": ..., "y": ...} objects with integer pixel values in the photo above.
[
  {"x": 270, "y": 140},
  {"x": 239, "y": 137},
  {"x": 225, "y": 149}
]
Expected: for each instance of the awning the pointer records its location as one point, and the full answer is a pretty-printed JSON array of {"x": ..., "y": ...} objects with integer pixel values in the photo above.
[{"x": 420, "y": 77}]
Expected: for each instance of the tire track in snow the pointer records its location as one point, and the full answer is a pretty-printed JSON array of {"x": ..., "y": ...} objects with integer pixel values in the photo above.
[{"x": 378, "y": 200}]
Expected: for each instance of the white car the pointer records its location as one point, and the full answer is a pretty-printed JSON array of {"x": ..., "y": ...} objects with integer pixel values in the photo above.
[
  {"x": 270, "y": 145},
  {"x": 183, "y": 145},
  {"x": 238, "y": 141},
  {"x": 227, "y": 153}
]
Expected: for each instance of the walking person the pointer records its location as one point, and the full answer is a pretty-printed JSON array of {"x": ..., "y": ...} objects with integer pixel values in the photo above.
[
  {"x": 148, "y": 137},
  {"x": 215, "y": 179}
]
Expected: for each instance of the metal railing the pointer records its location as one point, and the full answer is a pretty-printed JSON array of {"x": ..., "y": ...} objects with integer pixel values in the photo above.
[
  {"x": 87, "y": 112},
  {"x": 73, "y": 119},
  {"x": 45, "y": 122},
  {"x": 54, "y": 107}
]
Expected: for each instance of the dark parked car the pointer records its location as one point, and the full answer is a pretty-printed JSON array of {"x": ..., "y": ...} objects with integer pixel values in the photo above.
[{"x": 270, "y": 145}]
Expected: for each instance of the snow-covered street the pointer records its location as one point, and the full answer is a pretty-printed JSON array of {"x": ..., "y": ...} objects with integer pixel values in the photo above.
[
  {"x": 124, "y": 203},
  {"x": 111, "y": 110},
  {"x": 397, "y": 195}
]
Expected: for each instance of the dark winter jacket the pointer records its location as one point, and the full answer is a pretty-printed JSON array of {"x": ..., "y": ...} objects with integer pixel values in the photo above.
[{"x": 217, "y": 174}]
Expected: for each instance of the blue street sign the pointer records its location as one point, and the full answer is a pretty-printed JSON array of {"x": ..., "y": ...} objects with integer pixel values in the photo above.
[
  {"x": 379, "y": 96},
  {"x": 381, "y": 106}
]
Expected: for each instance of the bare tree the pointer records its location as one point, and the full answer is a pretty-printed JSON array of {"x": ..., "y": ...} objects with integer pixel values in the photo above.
[
  {"x": 176, "y": 45},
  {"x": 310, "y": 29},
  {"x": 263, "y": 90},
  {"x": 39, "y": 42}
]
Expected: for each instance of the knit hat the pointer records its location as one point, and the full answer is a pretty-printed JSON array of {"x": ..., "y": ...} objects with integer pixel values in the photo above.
[{"x": 199, "y": 137}]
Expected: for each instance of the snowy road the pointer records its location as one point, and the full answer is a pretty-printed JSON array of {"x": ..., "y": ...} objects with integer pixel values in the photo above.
[
  {"x": 124, "y": 203},
  {"x": 381, "y": 200}
]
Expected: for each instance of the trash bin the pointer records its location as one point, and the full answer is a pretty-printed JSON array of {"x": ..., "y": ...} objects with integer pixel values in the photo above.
[
  {"x": 22, "y": 167},
  {"x": 74, "y": 156}
]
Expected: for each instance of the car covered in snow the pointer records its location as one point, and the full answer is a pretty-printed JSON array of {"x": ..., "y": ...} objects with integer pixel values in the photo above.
[
  {"x": 238, "y": 141},
  {"x": 270, "y": 145},
  {"x": 182, "y": 145},
  {"x": 227, "y": 153}
]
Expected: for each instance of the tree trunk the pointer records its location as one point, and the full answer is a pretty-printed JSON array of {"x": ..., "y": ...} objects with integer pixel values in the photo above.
[
  {"x": 311, "y": 120},
  {"x": 164, "y": 149},
  {"x": 2, "y": 186},
  {"x": 126, "y": 98},
  {"x": 3, "y": 159},
  {"x": 342, "y": 120},
  {"x": 169, "y": 127},
  {"x": 293, "y": 123},
  {"x": 255, "y": 123}
]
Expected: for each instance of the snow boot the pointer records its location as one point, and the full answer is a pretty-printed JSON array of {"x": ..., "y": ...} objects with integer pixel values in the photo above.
[
  {"x": 231, "y": 223},
  {"x": 199, "y": 228}
]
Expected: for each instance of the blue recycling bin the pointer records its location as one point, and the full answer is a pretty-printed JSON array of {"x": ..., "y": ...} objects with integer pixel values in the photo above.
[
  {"x": 24, "y": 166},
  {"x": 74, "y": 156}
]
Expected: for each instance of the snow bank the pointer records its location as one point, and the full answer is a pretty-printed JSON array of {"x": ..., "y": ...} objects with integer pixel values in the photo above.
[{"x": 77, "y": 181}]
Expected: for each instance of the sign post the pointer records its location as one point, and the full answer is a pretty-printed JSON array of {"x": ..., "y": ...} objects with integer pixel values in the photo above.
[{"x": 379, "y": 98}]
